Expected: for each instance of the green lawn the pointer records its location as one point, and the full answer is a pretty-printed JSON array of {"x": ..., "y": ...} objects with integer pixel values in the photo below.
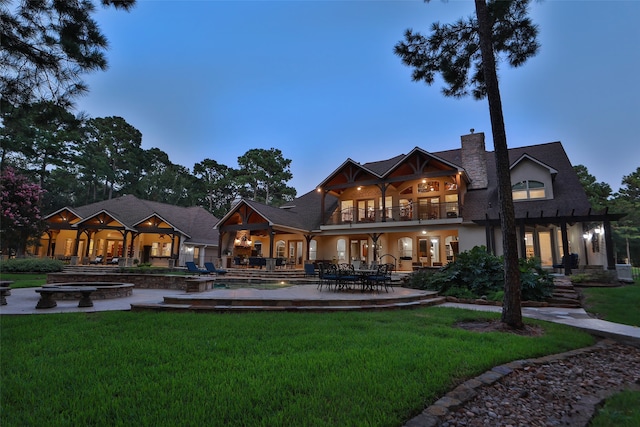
[
  {"x": 252, "y": 369},
  {"x": 618, "y": 304},
  {"x": 25, "y": 280},
  {"x": 621, "y": 410}
]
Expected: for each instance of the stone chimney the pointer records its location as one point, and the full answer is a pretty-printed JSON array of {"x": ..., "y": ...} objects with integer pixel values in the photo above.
[{"x": 474, "y": 159}]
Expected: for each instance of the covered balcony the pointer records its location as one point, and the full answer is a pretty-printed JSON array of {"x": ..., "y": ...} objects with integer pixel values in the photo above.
[{"x": 423, "y": 211}]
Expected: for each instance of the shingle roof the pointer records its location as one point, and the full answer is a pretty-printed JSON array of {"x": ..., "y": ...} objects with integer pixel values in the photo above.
[
  {"x": 303, "y": 213},
  {"x": 196, "y": 222},
  {"x": 568, "y": 194}
]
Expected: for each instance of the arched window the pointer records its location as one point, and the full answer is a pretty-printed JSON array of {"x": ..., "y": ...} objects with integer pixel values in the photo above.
[
  {"x": 525, "y": 190},
  {"x": 405, "y": 247},
  {"x": 313, "y": 250},
  {"x": 280, "y": 249}
]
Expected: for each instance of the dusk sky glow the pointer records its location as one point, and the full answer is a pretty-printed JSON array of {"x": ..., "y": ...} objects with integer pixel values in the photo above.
[{"x": 319, "y": 80}]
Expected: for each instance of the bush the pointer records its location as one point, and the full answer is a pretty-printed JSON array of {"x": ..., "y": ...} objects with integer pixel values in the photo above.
[
  {"x": 31, "y": 265},
  {"x": 477, "y": 273},
  {"x": 536, "y": 284},
  {"x": 595, "y": 276}
]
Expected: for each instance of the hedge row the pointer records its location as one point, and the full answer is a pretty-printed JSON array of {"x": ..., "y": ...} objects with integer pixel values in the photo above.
[{"x": 31, "y": 265}]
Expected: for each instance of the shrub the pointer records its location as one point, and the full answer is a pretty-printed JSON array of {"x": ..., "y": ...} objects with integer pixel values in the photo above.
[
  {"x": 477, "y": 273},
  {"x": 594, "y": 276},
  {"x": 536, "y": 284},
  {"x": 31, "y": 265}
]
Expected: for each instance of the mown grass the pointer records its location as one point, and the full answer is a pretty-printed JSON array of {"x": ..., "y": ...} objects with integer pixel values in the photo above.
[
  {"x": 25, "y": 280},
  {"x": 621, "y": 410},
  {"x": 618, "y": 304},
  {"x": 254, "y": 369}
]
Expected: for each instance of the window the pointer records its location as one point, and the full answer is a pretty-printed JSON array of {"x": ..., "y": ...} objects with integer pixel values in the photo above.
[
  {"x": 341, "y": 247},
  {"x": 525, "y": 190},
  {"x": 405, "y": 247},
  {"x": 388, "y": 200},
  {"x": 429, "y": 207},
  {"x": 451, "y": 205},
  {"x": 166, "y": 249},
  {"x": 366, "y": 210},
  {"x": 280, "y": 249},
  {"x": 428, "y": 186},
  {"x": 313, "y": 250},
  {"x": 346, "y": 207},
  {"x": 68, "y": 245},
  {"x": 406, "y": 209}
]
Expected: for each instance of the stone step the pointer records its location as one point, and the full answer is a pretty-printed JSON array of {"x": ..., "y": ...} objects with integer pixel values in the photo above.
[
  {"x": 564, "y": 302},
  {"x": 305, "y": 306}
]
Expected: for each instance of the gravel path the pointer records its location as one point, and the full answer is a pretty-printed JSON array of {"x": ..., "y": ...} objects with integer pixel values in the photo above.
[{"x": 557, "y": 390}]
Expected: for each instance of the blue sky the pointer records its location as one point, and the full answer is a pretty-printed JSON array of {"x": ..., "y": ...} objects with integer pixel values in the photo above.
[{"x": 319, "y": 81}]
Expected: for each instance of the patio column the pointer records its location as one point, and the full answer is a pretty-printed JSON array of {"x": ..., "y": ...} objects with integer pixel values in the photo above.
[
  {"x": 50, "y": 234},
  {"x": 125, "y": 253},
  {"x": 308, "y": 238},
  {"x": 523, "y": 241},
  {"x": 565, "y": 248},
  {"x": 608, "y": 241}
]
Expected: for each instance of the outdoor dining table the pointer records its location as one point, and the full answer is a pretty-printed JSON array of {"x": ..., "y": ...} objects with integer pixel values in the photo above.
[{"x": 364, "y": 274}]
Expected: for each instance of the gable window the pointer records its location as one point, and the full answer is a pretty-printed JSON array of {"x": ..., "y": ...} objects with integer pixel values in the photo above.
[{"x": 525, "y": 190}]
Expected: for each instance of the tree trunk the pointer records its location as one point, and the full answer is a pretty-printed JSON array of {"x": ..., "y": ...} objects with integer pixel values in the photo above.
[{"x": 511, "y": 307}]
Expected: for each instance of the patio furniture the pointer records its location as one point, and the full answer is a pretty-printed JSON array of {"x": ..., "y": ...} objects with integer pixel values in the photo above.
[
  {"x": 347, "y": 276},
  {"x": 192, "y": 268},
  {"x": 309, "y": 270},
  {"x": 256, "y": 261},
  {"x": 573, "y": 261},
  {"x": 98, "y": 260},
  {"x": 328, "y": 275},
  {"x": 114, "y": 261},
  {"x": 213, "y": 270},
  {"x": 382, "y": 278}
]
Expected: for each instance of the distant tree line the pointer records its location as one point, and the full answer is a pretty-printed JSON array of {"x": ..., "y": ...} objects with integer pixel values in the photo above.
[
  {"x": 77, "y": 161},
  {"x": 50, "y": 158}
]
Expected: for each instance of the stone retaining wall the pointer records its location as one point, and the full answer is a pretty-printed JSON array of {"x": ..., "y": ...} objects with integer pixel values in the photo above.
[{"x": 142, "y": 281}]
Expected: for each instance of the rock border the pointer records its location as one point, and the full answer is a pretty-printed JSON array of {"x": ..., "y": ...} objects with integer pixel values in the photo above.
[{"x": 435, "y": 414}]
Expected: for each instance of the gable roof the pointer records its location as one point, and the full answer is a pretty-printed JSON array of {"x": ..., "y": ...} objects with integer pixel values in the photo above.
[
  {"x": 569, "y": 195},
  {"x": 195, "y": 223},
  {"x": 525, "y": 156},
  {"x": 302, "y": 214}
]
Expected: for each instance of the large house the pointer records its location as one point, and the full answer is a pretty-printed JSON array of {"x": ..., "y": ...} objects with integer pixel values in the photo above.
[
  {"x": 126, "y": 228},
  {"x": 423, "y": 208}
]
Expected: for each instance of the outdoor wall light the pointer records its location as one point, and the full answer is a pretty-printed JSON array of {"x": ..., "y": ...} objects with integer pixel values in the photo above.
[
  {"x": 587, "y": 236},
  {"x": 598, "y": 230}
]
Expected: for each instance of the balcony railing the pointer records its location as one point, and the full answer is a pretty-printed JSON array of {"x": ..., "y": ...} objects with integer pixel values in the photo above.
[{"x": 422, "y": 212}]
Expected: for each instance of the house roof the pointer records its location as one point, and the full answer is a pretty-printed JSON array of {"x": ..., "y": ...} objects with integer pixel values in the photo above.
[
  {"x": 350, "y": 169},
  {"x": 569, "y": 196},
  {"x": 303, "y": 213},
  {"x": 195, "y": 223}
]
